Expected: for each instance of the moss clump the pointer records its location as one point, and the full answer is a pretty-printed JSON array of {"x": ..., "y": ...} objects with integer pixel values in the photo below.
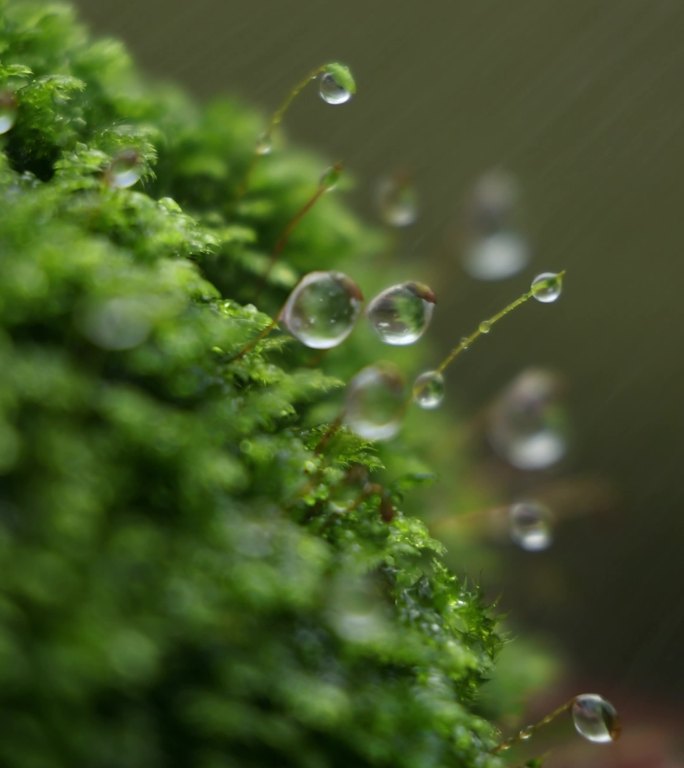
[{"x": 179, "y": 585}]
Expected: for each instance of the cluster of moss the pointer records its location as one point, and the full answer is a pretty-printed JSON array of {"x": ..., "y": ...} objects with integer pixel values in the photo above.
[{"x": 184, "y": 579}]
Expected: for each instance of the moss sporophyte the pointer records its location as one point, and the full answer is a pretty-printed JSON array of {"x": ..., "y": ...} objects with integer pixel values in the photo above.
[{"x": 190, "y": 567}]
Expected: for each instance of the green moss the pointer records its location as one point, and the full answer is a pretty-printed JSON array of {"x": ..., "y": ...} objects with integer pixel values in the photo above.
[{"x": 178, "y": 584}]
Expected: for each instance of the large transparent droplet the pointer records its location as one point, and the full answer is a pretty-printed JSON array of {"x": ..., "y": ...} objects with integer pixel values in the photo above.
[
  {"x": 331, "y": 90},
  {"x": 527, "y": 425},
  {"x": 376, "y": 402},
  {"x": 264, "y": 145},
  {"x": 495, "y": 256},
  {"x": 397, "y": 201},
  {"x": 547, "y": 287},
  {"x": 322, "y": 309},
  {"x": 401, "y": 313},
  {"x": 8, "y": 110},
  {"x": 125, "y": 169},
  {"x": 428, "y": 390},
  {"x": 530, "y": 525},
  {"x": 595, "y": 718}
]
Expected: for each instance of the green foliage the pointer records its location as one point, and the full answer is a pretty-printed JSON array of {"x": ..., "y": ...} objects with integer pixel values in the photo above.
[{"x": 186, "y": 581}]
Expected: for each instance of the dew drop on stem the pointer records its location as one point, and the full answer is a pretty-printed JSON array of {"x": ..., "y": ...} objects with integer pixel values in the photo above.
[{"x": 401, "y": 314}]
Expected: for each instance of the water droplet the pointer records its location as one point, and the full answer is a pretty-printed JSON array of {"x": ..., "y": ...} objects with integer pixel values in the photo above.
[
  {"x": 595, "y": 718},
  {"x": 494, "y": 203},
  {"x": 530, "y": 525},
  {"x": 125, "y": 169},
  {"x": 527, "y": 425},
  {"x": 375, "y": 402},
  {"x": 117, "y": 324},
  {"x": 428, "y": 390},
  {"x": 331, "y": 176},
  {"x": 465, "y": 343},
  {"x": 526, "y": 733},
  {"x": 331, "y": 90},
  {"x": 322, "y": 309},
  {"x": 485, "y": 326},
  {"x": 264, "y": 145},
  {"x": 8, "y": 110},
  {"x": 495, "y": 256},
  {"x": 547, "y": 287},
  {"x": 401, "y": 313},
  {"x": 397, "y": 201}
]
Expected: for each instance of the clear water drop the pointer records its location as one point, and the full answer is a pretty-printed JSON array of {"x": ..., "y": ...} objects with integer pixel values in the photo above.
[
  {"x": 530, "y": 525},
  {"x": 595, "y": 718},
  {"x": 331, "y": 90},
  {"x": 401, "y": 313},
  {"x": 485, "y": 326},
  {"x": 527, "y": 425},
  {"x": 330, "y": 177},
  {"x": 375, "y": 402},
  {"x": 495, "y": 256},
  {"x": 428, "y": 390},
  {"x": 547, "y": 287},
  {"x": 264, "y": 145},
  {"x": 322, "y": 309},
  {"x": 125, "y": 169},
  {"x": 397, "y": 201},
  {"x": 526, "y": 733},
  {"x": 8, "y": 110}
]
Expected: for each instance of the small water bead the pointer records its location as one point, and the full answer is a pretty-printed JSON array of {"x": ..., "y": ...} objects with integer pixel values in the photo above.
[
  {"x": 330, "y": 177},
  {"x": 527, "y": 425},
  {"x": 322, "y": 309},
  {"x": 375, "y": 402},
  {"x": 397, "y": 201},
  {"x": 401, "y": 313},
  {"x": 8, "y": 110},
  {"x": 547, "y": 287},
  {"x": 485, "y": 326},
  {"x": 530, "y": 525},
  {"x": 595, "y": 718},
  {"x": 333, "y": 91},
  {"x": 264, "y": 145},
  {"x": 125, "y": 169},
  {"x": 495, "y": 256},
  {"x": 428, "y": 390}
]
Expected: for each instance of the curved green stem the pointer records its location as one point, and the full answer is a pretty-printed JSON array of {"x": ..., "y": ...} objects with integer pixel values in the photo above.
[
  {"x": 484, "y": 327},
  {"x": 525, "y": 733}
]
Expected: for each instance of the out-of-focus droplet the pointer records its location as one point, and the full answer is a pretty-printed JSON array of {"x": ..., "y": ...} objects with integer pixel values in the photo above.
[
  {"x": 401, "y": 313},
  {"x": 530, "y": 525},
  {"x": 8, "y": 110},
  {"x": 125, "y": 169},
  {"x": 117, "y": 324},
  {"x": 397, "y": 201},
  {"x": 322, "y": 309},
  {"x": 547, "y": 287},
  {"x": 595, "y": 718},
  {"x": 526, "y": 733},
  {"x": 495, "y": 247},
  {"x": 495, "y": 256},
  {"x": 375, "y": 402},
  {"x": 485, "y": 326},
  {"x": 264, "y": 145},
  {"x": 527, "y": 425},
  {"x": 331, "y": 90},
  {"x": 331, "y": 176},
  {"x": 428, "y": 390}
]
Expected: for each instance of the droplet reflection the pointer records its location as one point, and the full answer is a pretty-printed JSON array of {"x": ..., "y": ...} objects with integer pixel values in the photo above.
[
  {"x": 401, "y": 313},
  {"x": 595, "y": 718},
  {"x": 428, "y": 390},
  {"x": 331, "y": 91}
]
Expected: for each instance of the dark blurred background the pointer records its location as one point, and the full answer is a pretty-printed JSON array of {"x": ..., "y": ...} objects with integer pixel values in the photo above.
[{"x": 582, "y": 102}]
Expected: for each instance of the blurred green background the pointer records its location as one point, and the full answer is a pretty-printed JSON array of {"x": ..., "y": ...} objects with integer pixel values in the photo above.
[{"x": 582, "y": 102}]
